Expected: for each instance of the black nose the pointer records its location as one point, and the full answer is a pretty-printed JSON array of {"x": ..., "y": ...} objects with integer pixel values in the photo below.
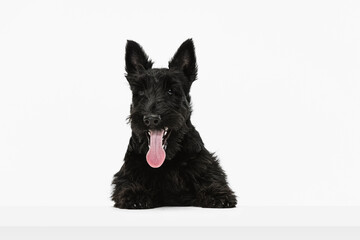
[{"x": 152, "y": 120}]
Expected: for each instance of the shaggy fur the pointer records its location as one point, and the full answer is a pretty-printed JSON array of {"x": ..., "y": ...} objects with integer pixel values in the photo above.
[{"x": 190, "y": 175}]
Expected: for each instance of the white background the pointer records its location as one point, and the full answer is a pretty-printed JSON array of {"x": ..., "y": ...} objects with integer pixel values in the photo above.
[{"x": 277, "y": 97}]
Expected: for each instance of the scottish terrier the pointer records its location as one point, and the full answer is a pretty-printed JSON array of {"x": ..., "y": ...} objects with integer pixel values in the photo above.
[{"x": 166, "y": 163}]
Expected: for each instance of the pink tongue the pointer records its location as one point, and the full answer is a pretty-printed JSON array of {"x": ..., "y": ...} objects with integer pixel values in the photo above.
[{"x": 156, "y": 154}]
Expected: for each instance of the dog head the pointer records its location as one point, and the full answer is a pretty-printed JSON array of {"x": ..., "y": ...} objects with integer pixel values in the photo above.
[{"x": 161, "y": 107}]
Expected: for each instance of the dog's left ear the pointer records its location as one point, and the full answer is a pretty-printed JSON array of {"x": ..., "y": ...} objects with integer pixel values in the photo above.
[{"x": 184, "y": 60}]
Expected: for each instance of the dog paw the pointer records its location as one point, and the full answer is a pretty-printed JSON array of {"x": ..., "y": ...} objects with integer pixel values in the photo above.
[
  {"x": 134, "y": 204},
  {"x": 131, "y": 200},
  {"x": 218, "y": 202},
  {"x": 210, "y": 198},
  {"x": 138, "y": 205}
]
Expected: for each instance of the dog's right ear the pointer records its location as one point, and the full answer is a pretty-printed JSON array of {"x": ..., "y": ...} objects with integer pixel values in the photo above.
[{"x": 135, "y": 58}]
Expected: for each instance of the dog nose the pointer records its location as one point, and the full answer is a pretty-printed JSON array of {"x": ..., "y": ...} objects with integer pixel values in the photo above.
[{"x": 152, "y": 120}]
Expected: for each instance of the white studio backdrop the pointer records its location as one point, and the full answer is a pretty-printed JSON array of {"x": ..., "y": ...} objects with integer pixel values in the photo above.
[{"x": 277, "y": 97}]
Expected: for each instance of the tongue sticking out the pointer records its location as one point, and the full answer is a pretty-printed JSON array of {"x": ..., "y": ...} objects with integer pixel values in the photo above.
[{"x": 156, "y": 154}]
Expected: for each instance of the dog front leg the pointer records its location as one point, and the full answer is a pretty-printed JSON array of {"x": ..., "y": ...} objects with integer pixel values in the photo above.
[{"x": 215, "y": 195}]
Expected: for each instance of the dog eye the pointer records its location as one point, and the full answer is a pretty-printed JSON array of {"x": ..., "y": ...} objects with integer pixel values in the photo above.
[{"x": 170, "y": 91}]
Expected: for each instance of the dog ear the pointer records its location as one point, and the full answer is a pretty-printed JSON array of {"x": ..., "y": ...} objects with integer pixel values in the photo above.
[
  {"x": 185, "y": 60},
  {"x": 135, "y": 58}
]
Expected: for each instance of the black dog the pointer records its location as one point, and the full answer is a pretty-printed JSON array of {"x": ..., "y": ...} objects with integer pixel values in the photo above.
[{"x": 166, "y": 163}]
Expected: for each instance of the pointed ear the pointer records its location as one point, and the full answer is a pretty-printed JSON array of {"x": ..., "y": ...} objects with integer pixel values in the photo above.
[
  {"x": 184, "y": 60},
  {"x": 135, "y": 58}
]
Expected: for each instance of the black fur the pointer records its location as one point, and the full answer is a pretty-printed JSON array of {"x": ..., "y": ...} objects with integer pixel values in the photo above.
[{"x": 190, "y": 175}]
